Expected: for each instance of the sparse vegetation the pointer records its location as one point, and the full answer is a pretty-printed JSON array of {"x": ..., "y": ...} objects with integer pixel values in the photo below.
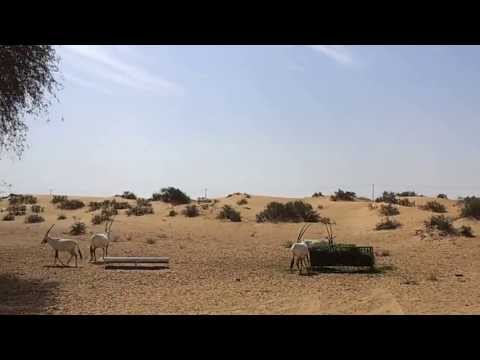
[
  {"x": 37, "y": 209},
  {"x": 442, "y": 224},
  {"x": 471, "y": 207},
  {"x": 18, "y": 199},
  {"x": 17, "y": 210},
  {"x": 59, "y": 199},
  {"x": 317, "y": 194},
  {"x": 34, "y": 218},
  {"x": 248, "y": 196},
  {"x": 434, "y": 206},
  {"x": 97, "y": 219},
  {"x": 229, "y": 213},
  {"x": 442, "y": 196},
  {"x": 172, "y": 213},
  {"x": 140, "y": 210},
  {"x": 172, "y": 196},
  {"x": 387, "y": 197},
  {"x": 242, "y": 202},
  {"x": 128, "y": 195},
  {"x": 295, "y": 211},
  {"x": 389, "y": 210},
  {"x": 71, "y": 204},
  {"x": 387, "y": 224},
  {"x": 61, "y": 217},
  {"x": 341, "y": 195},
  {"x": 151, "y": 241},
  {"x": 143, "y": 202},
  {"x": 191, "y": 211},
  {"x": 78, "y": 228},
  {"x": 8, "y": 217},
  {"x": 466, "y": 231}
]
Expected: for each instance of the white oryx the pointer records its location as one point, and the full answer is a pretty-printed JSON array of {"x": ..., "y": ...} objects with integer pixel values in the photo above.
[
  {"x": 100, "y": 240},
  {"x": 300, "y": 252},
  {"x": 66, "y": 245}
]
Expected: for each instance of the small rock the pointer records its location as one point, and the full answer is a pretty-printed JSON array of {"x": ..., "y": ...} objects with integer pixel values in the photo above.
[
  {"x": 237, "y": 279},
  {"x": 458, "y": 275}
]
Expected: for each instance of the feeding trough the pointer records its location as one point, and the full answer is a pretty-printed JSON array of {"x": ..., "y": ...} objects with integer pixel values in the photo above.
[{"x": 324, "y": 253}]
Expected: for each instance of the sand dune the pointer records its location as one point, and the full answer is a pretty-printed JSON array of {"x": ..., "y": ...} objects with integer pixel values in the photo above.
[{"x": 220, "y": 267}]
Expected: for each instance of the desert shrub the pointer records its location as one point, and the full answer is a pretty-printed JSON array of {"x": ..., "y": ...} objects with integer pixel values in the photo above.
[
  {"x": 37, "y": 209},
  {"x": 78, "y": 228},
  {"x": 97, "y": 219},
  {"x": 172, "y": 213},
  {"x": 407, "y": 193},
  {"x": 59, "y": 199},
  {"x": 71, "y": 204},
  {"x": 440, "y": 223},
  {"x": 140, "y": 210},
  {"x": 387, "y": 197},
  {"x": 442, "y": 196},
  {"x": 17, "y": 210},
  {"x": 9, "y": 217},
  {"x": 248, "y": 196},
  {"x": 406, "y": 202},
  {"x": 242, "y": 202},
  {"x": 191, "y": 211},
  {"x": 34, "y": 218},
  {"x": 17, "y": 199},
  {"x": 94, "y": 205},
  {"x": 295, "y": 211},
  {"x": 61, "y": 217},
  {"x": 143, "y": 202},
  {"x": 229, "y": 213},
  {"x": 471, "y": 207},
  {"x": 466, "y": 231},
  {"x": 388, "y": 210},
  {"x": 128, "y": 195},
  {"x": 434, "y": 206},
  {"x": 172, "y": 196},
  {"x": 121, "y": 205},
  {"x": 151, "y": 241},
  {"x": 317, "y": 194},
  {"x": 387, "y": 224},
  {"x": 320, "y": 207},
  {"x": 341, "y": 195}
]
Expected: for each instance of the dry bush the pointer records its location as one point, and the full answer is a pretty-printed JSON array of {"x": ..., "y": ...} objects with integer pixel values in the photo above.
[
  {"x": 242, "y": 202},
  {"x": 71, "y": 204},
  {"x": 172, "y": 196},
  {"x": 387, "y": 224},
  {"x": 37, "y": 209},
  {"x": 128, "y": 195},
  {"x": 434, "y": 206},
  {"x": 17, "y": 210},
  {"x": 78, "y": 228},
  {"x": 388, "y": 210},
  {"x": 471, "y": 207},
  {"x": 406, "y": 202},
  {"x": 442, "y": 196},
  {"x": 441, "y": 223},
  {"x": 34, "y": 218},
  {"x": 151, "y": 241},
  {"x": 317, "y": 194},
  {"x": 387, "y": 197},
  {"x": 9, "y": 217},
  {"x": 59, "y": 199},
  {"x": 140, "y": 210},
  {"x": 248, "y": 196},
  {"x": 18, "y": 199},
  {"x": 172, "y": 213},
  {"x": 320, "y": 207},
  {"x": 294, "y": 211},
  {"x": 143, "y": 202},
  {"x": 341, "y": 195},
  {"x": 407, "y": 193},
  {"x": 229, "y": 213},
  {"x": 61, "y": 217},
  {"x": 466, "y": 231},
  {"x": 191, "y": 211}
]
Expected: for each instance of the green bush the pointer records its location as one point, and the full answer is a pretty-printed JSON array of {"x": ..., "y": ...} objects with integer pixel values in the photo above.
[
  {"x": 388, "y": 197},
  {"x": 442, "y": 196},
  {"x": 9, "y": 217},
  {"x": 59, "y": 199},
  {"x": 172, "y": 196},
  {"x": 71, "y": 204},
  {"x": 296, "y": 211},
  {"x": 407, "y": 193},
  {"x": 37, "y": 209},
  {"x": 34, "y": 218},
  {"x": 442, "y": 224},
  {"x": 471, "y": 207},
  {"x": 61, "y": 217},
  {"x": 78, "y": 228},
  {"x": 389, "y": 210},
  {"x": 242, "y": 202},
  {"x": 341, "y": 195},
  {"x": 466, "y": 231},
  {"x": 406, "y": 202},
  {"x": 191, "y": 211},
  {"x": 229, "y": 213},
  {"x": 387, "y": 224},
  {"x": 434, "y": 206}
]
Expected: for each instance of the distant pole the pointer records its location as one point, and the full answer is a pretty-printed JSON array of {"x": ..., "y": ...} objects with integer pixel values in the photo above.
[
  {"x": 205, "y": 193},
  {"x": 373, "y": 192}
]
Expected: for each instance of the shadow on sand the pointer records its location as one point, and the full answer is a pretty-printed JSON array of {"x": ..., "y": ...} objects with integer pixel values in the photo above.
[
  {"x": 26, "y": 296},
  {"x": 348, "y": 270}
]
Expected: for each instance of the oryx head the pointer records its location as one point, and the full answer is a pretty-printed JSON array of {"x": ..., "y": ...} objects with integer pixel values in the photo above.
[{"x": 45, "y": 238}]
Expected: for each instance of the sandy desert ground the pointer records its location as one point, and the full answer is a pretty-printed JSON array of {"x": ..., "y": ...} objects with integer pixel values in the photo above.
[{"x": 221, "y": 267}]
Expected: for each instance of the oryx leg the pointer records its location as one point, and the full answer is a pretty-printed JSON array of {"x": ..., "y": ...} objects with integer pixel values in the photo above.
[{"x": 291, "y": 263}]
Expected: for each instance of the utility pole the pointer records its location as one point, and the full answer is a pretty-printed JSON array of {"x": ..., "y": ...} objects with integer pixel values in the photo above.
[
  {"x": 205, "y": 193},
  {"x": 373, "y": 192}
]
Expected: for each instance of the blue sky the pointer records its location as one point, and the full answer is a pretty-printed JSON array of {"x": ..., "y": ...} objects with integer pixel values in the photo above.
[{"x": 272, "y": 120}]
